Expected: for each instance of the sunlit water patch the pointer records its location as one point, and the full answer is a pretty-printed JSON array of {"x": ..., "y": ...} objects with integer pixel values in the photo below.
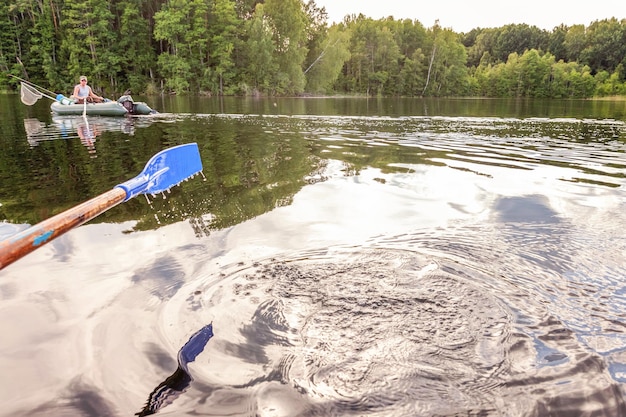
[
  {"x": 590, "y": 147},
  {"x": 412, "y": 266},
  {"x": 382, "y": 331},
  {"x": 502, "y": 296}
]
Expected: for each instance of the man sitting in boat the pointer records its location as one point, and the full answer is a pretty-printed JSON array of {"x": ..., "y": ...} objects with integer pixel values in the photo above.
[{"x": 83, "y": 92}]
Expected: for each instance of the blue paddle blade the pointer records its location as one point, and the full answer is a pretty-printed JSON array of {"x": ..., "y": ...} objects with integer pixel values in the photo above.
[{"x": 165, "y": 170}]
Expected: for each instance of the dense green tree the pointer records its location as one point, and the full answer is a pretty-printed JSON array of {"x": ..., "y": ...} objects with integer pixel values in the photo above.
[
  {"x": 374, "y": 56},
  {"x": 286, "y": 47},
  {"x": 413, "y": 74},
  {"x": 137, "y": 55},
  {"x": 581, "y": 83},
  {"x": 556, "y": 42},
  {"x": 197, "y": 42},
  {"x": 574, "y": 42},
  {"x": 259, "y": 55},
  {"x": 171, "y": 25},
  {"x": 8, "y": 44},
  {"x": 245, "y": 8},
  {"x": 447, "y": 71},
  {"x": 605, "y": 46},
  {"x": 325, "y": 69},
  {"x": 481, "y": 50},
  {"x": 518, "y": 38},
  {"x": 534, "y": 74},
  {"x": 45, "y": 38},
  {"x": 19, "y": 19},
  {"x": 88, "y": 29},
  {"x": 610, "y": 84},
  {"x": 288, "y": 24},
  {"x": 409, "y": 35},
  {"x": 387, "y": 60},
  {"x": 570, "y": 80},
  {"x": 317, "y": 36},
  {"x": 223, "y": 31}
]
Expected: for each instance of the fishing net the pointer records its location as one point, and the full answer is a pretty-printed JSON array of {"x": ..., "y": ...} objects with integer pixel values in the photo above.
[{"x": 29, "y": 94}]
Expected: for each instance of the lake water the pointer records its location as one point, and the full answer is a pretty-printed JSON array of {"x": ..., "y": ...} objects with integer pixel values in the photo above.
[{"x": 340, "y": 257}]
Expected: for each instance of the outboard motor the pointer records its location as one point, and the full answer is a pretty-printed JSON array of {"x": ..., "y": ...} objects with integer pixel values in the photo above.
[{"x": 127, "y": 101}]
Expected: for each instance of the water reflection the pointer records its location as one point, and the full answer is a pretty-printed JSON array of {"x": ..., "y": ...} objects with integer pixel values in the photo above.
[
  {"x": 395, "y": 266},
  {"x": 253, "y": 167},
  {"x": 393, "y": 107},
  {"x": 85, "y": 128},
  {"x": 390, "y": 332},
  {"x": 87, "y": 134}
]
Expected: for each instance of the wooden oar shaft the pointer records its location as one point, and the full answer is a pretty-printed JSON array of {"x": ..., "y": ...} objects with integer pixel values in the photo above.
[{"x": 20, "y": 244}]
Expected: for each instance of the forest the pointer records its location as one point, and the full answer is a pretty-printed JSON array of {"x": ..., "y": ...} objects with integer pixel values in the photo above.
[{"x": 288, "y": 48}]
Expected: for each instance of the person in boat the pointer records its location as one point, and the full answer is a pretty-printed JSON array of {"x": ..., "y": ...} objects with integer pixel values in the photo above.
[{"x": 83, "y": 92}]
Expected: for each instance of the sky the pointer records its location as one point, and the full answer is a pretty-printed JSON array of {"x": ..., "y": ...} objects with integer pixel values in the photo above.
[{"x": 463, "y": 16}]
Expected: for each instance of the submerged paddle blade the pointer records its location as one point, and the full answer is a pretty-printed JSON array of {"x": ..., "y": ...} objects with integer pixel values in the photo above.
[
  {"x": 164, "y": 170},
  {"x": 194, "y": 346},
  {"x": 177, "y": 383}
]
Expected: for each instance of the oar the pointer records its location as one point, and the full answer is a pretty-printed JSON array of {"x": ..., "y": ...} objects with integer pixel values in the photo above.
[{"x": 163, "y": 171}]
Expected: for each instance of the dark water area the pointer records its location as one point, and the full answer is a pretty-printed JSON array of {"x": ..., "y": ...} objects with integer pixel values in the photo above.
[{"x": 340, "y": 257}]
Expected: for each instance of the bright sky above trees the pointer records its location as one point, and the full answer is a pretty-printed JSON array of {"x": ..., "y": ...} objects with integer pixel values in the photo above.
[{"x": 462, "y": 16}]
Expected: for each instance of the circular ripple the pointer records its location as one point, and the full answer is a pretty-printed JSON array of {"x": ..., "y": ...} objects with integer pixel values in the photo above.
[
  {"x": 384, "y": 332},
  {"x": 371, "y": 331}
]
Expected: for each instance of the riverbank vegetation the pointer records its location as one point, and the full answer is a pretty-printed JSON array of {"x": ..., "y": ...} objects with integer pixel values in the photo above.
[{"x": 287, "y": 47}]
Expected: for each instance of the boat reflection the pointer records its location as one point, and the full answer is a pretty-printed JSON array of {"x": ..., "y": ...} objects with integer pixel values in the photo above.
[{"x": 85, "y": 128}]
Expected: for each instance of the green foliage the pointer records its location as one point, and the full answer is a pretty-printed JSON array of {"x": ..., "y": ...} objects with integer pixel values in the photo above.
[
  {"x": 325, "y": 69},
  {"x": 177, "y": 72},
  {"x": 375, "y": 57},
  {"x": 535, "y": 75},
  {"x": 286, "y": 47},
  {"x": 288, "y": 24},
  {"x": 224, "y": 30},
  {"x": 610, "y": 85},
  {"x": 259, "y": 53},
  {"x": 574, "y": 43},
  {"x": 447, "y": 71},
  {"x": 518, "y": 38},
  {"x": 605, "y": 46},
  {"x": 172, "y": 25},
  {"x": 137, "y": 56},
  {"x": 570, "y": 80},
  {"x": 88, "y": 30}
]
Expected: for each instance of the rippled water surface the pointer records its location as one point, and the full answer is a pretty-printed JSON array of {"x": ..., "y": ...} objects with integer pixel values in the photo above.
[{"x": 330, "y": 264}]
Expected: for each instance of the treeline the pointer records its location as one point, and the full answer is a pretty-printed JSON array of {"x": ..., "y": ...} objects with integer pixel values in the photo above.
[{"x": 287, "y": 47}]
